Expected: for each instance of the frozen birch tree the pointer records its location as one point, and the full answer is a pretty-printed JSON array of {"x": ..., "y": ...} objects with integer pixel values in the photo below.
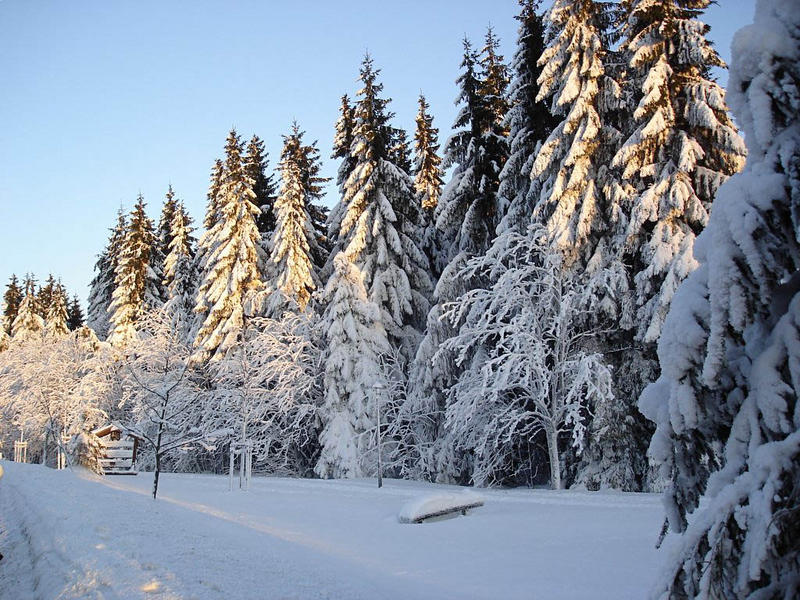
[
  {"x": 729, "y": 353},
  {"x": 380, "y": 222},
  {"x": 295, "y": 243},
  {"x": 101, "y": 289},
  {"x": 160, "y": 391},
  {"x": 232, "y": 259},
  {"x": 267, "y": 392},
  {"x": 532, "y": 373},
  {"x": 356, "y": 340},
  {"x": 137, "y": 283}
]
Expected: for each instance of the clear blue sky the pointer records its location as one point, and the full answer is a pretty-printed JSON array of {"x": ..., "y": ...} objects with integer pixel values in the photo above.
[{"x": 104, "y": 99}]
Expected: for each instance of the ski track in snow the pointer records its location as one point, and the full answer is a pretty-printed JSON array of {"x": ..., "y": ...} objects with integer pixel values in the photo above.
[{"x": 75, "y": 535}]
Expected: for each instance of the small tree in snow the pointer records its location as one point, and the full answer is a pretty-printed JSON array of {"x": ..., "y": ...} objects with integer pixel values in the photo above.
[{"x": 159, "y": 389}]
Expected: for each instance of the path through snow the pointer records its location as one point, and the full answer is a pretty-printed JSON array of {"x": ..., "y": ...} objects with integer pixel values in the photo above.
[{"x": 89, "y": 537}]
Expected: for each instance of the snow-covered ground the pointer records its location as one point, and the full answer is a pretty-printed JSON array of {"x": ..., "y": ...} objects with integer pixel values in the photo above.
[{"x": 73, "y": 535}]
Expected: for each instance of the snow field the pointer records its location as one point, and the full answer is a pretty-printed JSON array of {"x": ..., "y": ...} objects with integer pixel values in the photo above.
[{"x": 288, "y": 538}]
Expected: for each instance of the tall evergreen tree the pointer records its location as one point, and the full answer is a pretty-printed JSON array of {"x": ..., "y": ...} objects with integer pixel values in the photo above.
[
  {"x": 232, "y": 259},
  {"x": 179, "y": 273},
  {"x": 428, "y": 172},
  {"x": 28, "y": 324},
  {"x": 356, "y": 341},
  {"x": 495, "y": 82},
  {"x": 380, "y": 230},
  {"x": 529, "y": 120},
  {"x": 343, "y": 140},
  {"x": 212, "y": 207},
  {"x": 342, "y": 146},
  {"x": 12, "y": 298},
  {"x": 256, "y": 165},
  {"x": 729, "y": 351},
  {"x": 44, "y": 297},
  {"x": 569, "y": 169},
  {"x": 163, "y": 233},
  {"x": 682, "y": 149},
  {"x": 137, "y": 282},
  {"x": 101, "y": 289},
  {"x": 466, "y": 218},
  {"x": 75, "y": 318},
  {"x": 56, "y": 319},
  {"x": 295, "y": 241}
]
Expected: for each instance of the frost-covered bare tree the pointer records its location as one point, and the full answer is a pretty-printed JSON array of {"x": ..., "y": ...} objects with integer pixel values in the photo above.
[
  {"x": 159, "y": 389},
  {"x": 42, "y": 387},
  {"x": 532, "y": 373},
  {"x": 730, "y": 351},
  {"x": 267, "y": 391}
]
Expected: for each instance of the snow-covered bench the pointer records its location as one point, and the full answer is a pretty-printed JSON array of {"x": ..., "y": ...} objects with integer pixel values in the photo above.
[{"x": 438, "y": 505}]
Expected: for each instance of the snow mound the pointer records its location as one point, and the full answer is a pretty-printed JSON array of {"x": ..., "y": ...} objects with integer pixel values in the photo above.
[{"x": 438, "y": 505}]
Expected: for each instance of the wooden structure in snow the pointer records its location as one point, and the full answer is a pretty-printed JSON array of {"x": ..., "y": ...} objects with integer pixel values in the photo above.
[
  {"x": 438, "y": 506},
  {"x": 116, "y": 450}
]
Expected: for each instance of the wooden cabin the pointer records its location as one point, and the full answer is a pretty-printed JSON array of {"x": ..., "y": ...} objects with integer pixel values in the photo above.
[{"x": 116, "y": 450}]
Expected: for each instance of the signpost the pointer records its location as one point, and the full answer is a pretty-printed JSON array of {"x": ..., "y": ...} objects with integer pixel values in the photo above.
[
  {"x": 377, "y": 389},
  {"x": 21, "y": 448}
]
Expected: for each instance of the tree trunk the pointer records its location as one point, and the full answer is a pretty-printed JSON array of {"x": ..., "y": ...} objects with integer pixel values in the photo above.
[{"x": 555, "y": 459}]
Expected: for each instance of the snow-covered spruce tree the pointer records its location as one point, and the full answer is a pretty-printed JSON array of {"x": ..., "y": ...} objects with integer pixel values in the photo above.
[
  {"x": 568, "y": 170},
  {"x": 56, "y": 320},
  {"x": 380, "y": 225},
  {"x": 74, "y": 314},
  {"x": 427, "y": 177},
  {"x": 683, "y": 148},
  {"x": 400, "y": 150},
  {"x": 12, "y": 298},
  {"x": 28, "y": 324},
  {"x": 534, "y": 375},
  {"x": 101, "y": 288},
  {"x": 163, "y": 232},
  {"x": 529, "y": 121},
  {"x": 179, "y": 273},
  {"x": 44, "y": 297},
  {"x": 295, "y": 244},
  {"x": 729, "y": 350},
  {"x": 427, "y": 163},
  {"x": 494, "y": 82},
  {"x": 256, "y": 166},
  {"x": 212, "y": 207},
  {"x": 232, "y": 259},
  {"x": 356, "y": 340},
  {"x": 342, "y": 144},
  {"x": 466, "y": 217},
  {"x": 137, "y": 280},
  {"x": 343, "y": 140}
]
